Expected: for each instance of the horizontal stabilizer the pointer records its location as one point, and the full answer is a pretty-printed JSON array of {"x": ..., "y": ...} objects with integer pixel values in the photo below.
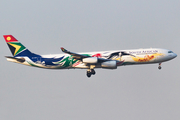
[{"x": 17, "y": 59}]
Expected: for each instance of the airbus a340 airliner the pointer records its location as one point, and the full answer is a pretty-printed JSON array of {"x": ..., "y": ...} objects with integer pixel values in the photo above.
[{"x": 89, "y": 60}]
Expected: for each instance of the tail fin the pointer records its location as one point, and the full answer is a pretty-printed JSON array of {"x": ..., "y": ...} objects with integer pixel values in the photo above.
[{"x": 17, "y": 49}]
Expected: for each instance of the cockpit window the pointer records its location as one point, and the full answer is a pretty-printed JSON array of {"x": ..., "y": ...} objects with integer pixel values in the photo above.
[{"x": 170, "y": 51}]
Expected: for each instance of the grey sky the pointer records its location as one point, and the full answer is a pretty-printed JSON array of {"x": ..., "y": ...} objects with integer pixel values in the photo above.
[{"x": 129, "y": 93}]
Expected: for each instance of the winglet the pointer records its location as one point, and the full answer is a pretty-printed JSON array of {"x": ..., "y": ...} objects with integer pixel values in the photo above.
[{"x": 64, "y": 50}]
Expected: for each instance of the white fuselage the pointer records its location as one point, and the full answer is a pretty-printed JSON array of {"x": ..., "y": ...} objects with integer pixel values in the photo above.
[{"x": 123, "y": 57}]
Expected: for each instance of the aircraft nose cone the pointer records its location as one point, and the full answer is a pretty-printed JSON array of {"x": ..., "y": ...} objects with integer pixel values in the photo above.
[
  {"x": 175, "y": 55},
  {"x": 172, "y": 56}
]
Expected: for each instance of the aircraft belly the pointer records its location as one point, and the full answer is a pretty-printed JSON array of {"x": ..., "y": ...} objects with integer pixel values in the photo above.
[{"x": 80, "y": 65}]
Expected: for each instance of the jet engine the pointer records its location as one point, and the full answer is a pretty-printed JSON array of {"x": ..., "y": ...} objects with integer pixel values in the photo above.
[
  {"x": 90, "y": 60},
  {"x": 109, "y": 65}
]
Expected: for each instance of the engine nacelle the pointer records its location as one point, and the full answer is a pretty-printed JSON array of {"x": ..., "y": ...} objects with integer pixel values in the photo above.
[
  {"x": 109, "y": 65},
  {"x": 90, "y": 60}
]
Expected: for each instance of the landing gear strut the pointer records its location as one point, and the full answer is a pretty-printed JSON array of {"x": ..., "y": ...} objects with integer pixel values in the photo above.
[
  {"x": 90, "y": 72},
  {"x": 159, "y": 66}
]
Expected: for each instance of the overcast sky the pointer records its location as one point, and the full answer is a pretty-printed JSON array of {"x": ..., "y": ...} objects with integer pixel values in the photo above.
[{"x": 129, "y": 93}]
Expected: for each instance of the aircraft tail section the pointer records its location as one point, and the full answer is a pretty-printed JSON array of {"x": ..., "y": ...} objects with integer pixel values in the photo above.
[{"x": 16, "y": 48}]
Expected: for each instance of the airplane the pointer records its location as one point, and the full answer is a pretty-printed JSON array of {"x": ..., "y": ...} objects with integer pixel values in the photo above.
[{"x": 89, "y": 60}]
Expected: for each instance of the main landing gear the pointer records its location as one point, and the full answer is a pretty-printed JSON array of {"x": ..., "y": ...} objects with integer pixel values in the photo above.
[
  {"x": 159, "y": 66},
  {"x": 90, "y": 72}
]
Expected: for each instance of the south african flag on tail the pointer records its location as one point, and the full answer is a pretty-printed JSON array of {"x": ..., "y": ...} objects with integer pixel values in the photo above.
[{"x": 17, "y": 49}]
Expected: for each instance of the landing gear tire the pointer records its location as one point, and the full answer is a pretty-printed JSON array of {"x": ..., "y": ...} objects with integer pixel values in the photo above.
[
  {"x": 93, "y": 72},
  {"x": 159, "y": 67},
  {"x": 88, "y": 74}
]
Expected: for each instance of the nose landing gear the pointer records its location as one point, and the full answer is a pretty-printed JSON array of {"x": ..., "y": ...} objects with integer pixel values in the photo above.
[{"x": 159, "y": 66}]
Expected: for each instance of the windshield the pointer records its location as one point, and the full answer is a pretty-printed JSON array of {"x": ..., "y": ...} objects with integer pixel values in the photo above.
[{"x": 170, "y": 51}]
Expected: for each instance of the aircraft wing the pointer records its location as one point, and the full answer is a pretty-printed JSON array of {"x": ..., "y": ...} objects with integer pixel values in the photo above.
[
  {"x": 74, "y": 55},
  {"x": 81, "y": 56}
]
